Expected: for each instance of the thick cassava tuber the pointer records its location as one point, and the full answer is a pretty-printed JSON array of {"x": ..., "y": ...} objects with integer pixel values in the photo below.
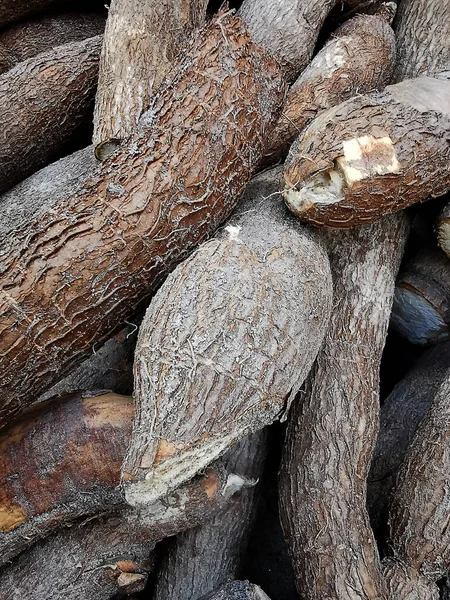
[
  {"x": 96, "y": 559},
  {"x": 359, "y": 58},
  {"x": 44, "y": 99},
  {"x": 140, "y": 44},
  {"x": 419, "y": 536},
  {"x": 237, "y": 590},
  {"x": 400, "y": 415},
  {"x": 332, "y": 428},
  {"x": 372, "y": 155},
  {"x": 87, "y": 263},
  {"x": 205, "y": 557},
  {"x": 226, "y": 342},
  {"x": 60, "y": 461},
  {"x": 40, "y": 35},
  {"x": 423, "y": 32},
  {"x": 421, "y": 309}
]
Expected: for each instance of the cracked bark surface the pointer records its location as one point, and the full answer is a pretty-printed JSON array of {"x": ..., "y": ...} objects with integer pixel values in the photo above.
[
  {"x": 357, "y": 162},
  {"x": 28, "y": 39},
  {"x": 226, "y": 342},
  {"x": 358, "y": 58},
  {"x": 203, "y": 558},
  {"x": 332, "y": 427},
  {"x": 137, "y": 54},
  {"x": 140, "y": 213},
  {"x": 44, "y": 99}
]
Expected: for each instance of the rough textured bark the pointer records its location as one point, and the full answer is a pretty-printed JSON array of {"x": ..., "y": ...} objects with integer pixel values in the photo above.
[
  {"x": 41, "y": 35},
  {"x": 358, "y": 58},
  {"x": 238, "y": 590},
  {"x": 20, "y": 206},
  {"x": 287, "y": 29},
  {"x": 332, "y": 428},
  {"x": 421, "y": 309},
  {"x": 110, "y": 367},
  {"x": 97, "y": 559},
  {"x": 422, "y": 30},
  {"x": 443, "y": 229},
  {"x": 226, "y": 342},
  {"x": 203, "y": 558},
  {"x": 60, "y": 461},
  {"x": 100, "y": 253},
  {"x": 44, "y": 99},
  {"x": 372, "y": 155},
  {"x": 419, "y": 537},
  {"x": 401, "y": 413},
  {"x": 142, "y": 39}
]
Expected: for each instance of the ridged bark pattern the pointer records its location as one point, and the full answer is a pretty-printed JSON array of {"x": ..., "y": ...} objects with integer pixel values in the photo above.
[
  {"x": 60, "y": 461},
  {"x": 44, "y": 99},
  {"x": 360, "y": 160},
  {"x": 202, "y": 559},
  {"x": 230, "y": 335},
  {"x": 359, "y": 57},
  {"x": 142, "y": 40},
  {"x": 333, "y": 426},
  {"x": 41, "y": 35},
  {"x": 89, "y": 262}
]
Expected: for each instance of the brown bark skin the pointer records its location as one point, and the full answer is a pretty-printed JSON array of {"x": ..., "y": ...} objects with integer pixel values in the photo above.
[
  {"x": 421, "y": 309},
  {"x": 100, "y": 558},
  {"x": 203, "y": 558},
  {"x": 358, "y": 58},
  {"x": 60, "y": 461},
  {"x": 419, "y": 540},
  {"x": 238, "y": 590},
  {"x": 332, "y": 428},
  {"x": 142, "y": 40},
  {"x": 88, "y": 263},
  {"x": 400, "y": 415},
  {"x": 44, "y": 99},
  {"x": 42, "y": 34},
  {"x": 226, "y": 342},
  {"x": 443, "y": 230},
  {"x": 110, "y": 367},
  {"x": 20, "y": 206},
  {"x": 372, "y": 155},
  {"x": 422, "y": 29}
]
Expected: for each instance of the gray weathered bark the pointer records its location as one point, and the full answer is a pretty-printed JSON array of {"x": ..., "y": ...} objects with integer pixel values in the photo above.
[
  {"x": 422, "y": 29},
  {"x": 226, "y": 342},
  {"x": 358, "y": 58},
  {"x": 401, "y": 413},
  {"x": 28, "y": 39},
  {"x": 332, "y": 428},
  {"x": 203, "y": 558},
  {"x": 142, "y": 40},
  {"x": 421, "y": 309},
  {"x": 419, "y": 536},
  {"x": 97, "y": 558},
  {"x": 44, "y": 99},
  {"x": 238, "y": 590}
]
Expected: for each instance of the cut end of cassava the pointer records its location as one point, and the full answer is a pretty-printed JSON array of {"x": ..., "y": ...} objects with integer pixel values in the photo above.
[
  {"x": 106, "y": 149},
  {"x": 324, "y": 188},
  {"x": 172, "y": 471}
]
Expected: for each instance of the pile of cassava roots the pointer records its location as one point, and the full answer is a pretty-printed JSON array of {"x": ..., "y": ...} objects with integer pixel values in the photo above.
[{"x": 224, "y": 300}]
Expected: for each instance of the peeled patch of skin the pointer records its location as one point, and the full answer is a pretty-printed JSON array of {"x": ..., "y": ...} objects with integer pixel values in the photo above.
[{"x": 372, "y": 155}]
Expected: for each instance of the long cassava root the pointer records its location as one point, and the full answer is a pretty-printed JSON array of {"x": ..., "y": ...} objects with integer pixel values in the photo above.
[
  {"x": 357, "y": 162},
  {"x": 148, "y": 207},
  {"x": 232, "y": 332}
]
